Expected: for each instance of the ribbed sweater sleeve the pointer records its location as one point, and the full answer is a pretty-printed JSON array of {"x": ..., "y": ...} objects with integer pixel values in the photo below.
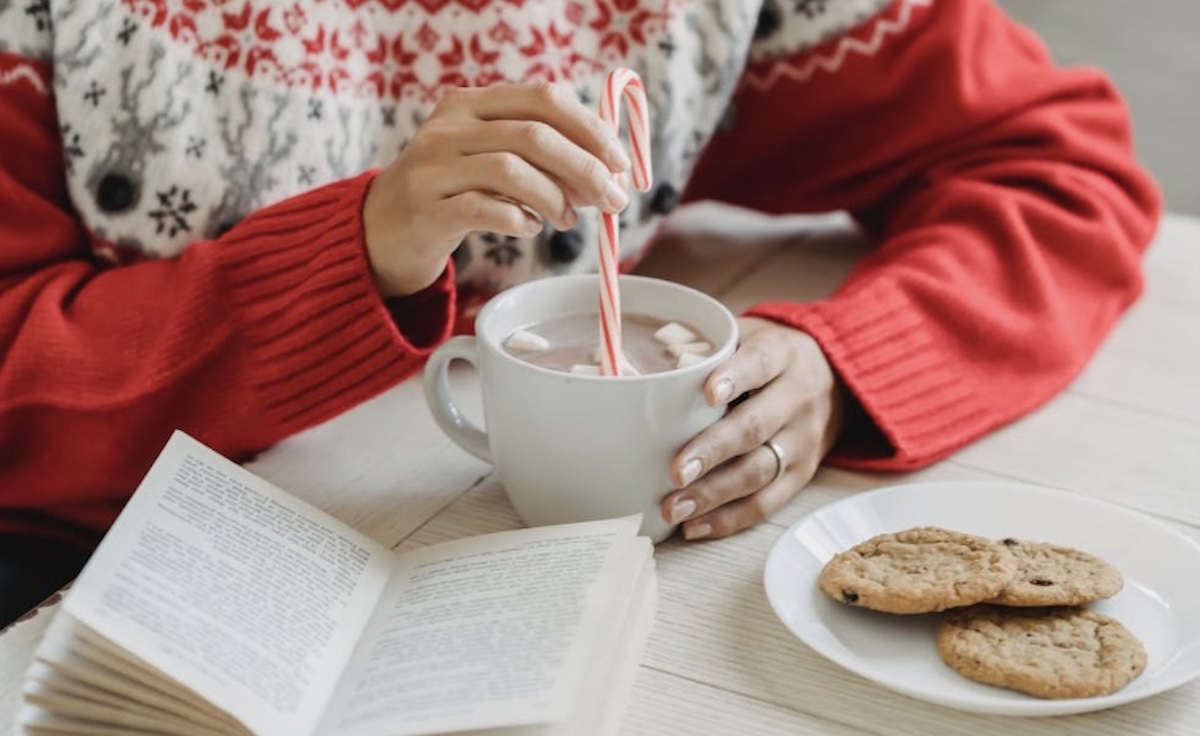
[
  {"x": 1009, "y": 213},
  {"x": 240, "y": 341}
]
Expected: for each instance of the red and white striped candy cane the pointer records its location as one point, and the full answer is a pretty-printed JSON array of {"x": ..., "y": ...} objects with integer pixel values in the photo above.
[{"x": 620, "y": 83}]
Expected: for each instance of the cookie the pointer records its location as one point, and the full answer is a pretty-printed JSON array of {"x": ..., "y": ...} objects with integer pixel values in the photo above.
[
  {"x": 1048, "y": 575},
  {"x": 919, "y": 570},
  {"x": 1046, "y": 652}
]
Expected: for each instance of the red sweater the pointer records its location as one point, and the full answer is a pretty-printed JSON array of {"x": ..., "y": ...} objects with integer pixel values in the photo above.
[{"x": 1009, "y": 212}]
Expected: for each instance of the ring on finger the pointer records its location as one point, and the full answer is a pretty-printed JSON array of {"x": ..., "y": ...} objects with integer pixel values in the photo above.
[{"x": 780, "y": 459}]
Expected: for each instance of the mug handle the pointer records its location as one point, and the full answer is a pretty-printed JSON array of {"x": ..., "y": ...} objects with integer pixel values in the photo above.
[{"x": 436, "y": 383}]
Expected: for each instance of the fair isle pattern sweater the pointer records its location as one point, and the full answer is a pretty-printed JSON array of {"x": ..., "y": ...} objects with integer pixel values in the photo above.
[{"x": 181, "y": 184}]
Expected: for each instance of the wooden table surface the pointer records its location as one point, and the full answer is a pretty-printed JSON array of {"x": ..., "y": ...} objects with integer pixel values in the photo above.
[{"x": 719, "y": 661}]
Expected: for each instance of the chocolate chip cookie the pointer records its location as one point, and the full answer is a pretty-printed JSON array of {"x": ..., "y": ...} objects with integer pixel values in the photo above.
[
  {"x": 919, "y": 570},
  {"x": 1049, "y": 575},
  {"x": 1065, "y": 652}
]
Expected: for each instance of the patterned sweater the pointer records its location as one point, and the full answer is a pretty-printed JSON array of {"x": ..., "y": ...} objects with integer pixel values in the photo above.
[{"x": 181, "y": 185}]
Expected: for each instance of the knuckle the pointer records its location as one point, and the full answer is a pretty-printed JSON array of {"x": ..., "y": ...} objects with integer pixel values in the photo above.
[
  {"x": 507, "y": 166},
  {"x": 755, "y": 429},
  {"x": 761, "y": 361},
  {"x": 434, "y": 133},
  {"x": 536, "y": 133},
  {"x": 719, "y": 449},
  {"x": 474, "y": 207},
  {"x": 733, "y": 520},
  {"x": 758, "y": 507},
  {"x": 451, "y": 99},
  {"x": 511, "y": 220},
  {"x": 594, "y": 172},
  {"x": 597, "y": 127},
  {"x": 547, "y": 92}
]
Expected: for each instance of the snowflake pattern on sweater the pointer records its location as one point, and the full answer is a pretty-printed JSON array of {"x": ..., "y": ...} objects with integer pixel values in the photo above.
[{"x": 206, "y": 110}]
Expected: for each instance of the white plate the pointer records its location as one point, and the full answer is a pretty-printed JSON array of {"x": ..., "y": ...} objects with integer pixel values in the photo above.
[{"x": 1160, "y": 603}]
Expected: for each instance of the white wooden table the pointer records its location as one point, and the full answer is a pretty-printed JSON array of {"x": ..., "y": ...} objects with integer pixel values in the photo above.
[{"x": 719, "y": 661}]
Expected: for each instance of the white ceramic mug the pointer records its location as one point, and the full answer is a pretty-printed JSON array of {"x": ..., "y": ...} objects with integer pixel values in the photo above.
[{"x": 576, "y": 448}]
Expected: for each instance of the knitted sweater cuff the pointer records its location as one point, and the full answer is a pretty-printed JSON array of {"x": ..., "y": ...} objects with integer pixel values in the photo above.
[
  {"x": 302, "y": 286},
  {"x": 907, "y": 383}
]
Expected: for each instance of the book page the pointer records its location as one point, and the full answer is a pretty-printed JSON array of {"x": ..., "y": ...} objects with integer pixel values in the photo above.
[
  {"x": 245, "y": 594},
  {"x": 485, "y": 632},
  {"x": 607, "y": 687},
  {"x": 82, "y": 692},
  {"x": 72, "y": 653},
  {"x": 69, "y": 679}
]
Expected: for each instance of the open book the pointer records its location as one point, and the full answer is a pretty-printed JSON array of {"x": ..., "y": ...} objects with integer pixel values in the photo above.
[{"x": 218, "y": 604}]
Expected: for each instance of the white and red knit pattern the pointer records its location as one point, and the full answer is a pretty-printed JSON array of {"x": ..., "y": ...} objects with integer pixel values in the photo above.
[
  {"x": 408, "y": 47},
  {"x": 206, "y": 110},
  {"x": 15, "y": 71},
  {"x": 780, "y": 60}
]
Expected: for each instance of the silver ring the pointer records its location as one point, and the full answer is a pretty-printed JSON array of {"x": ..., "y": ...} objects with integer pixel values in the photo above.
[{"x": 780, "y": 459}]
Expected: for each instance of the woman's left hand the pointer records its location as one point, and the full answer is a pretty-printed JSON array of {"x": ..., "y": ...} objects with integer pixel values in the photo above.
[{"x": 729, "y": 477}]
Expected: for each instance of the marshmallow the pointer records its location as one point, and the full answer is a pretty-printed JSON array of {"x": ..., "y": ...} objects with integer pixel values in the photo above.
[
  {"x": 627, "y": 368},
  {"x": 686, "y": 359},
  {"x": 695, "y": 348},
  {"x": 580, "y": 369},
  {"x": 524, "y": 341},
  {"x": 674, "y": 333}
]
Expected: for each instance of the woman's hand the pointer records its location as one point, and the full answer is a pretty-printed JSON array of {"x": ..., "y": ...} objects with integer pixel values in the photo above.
[
  {"x": 729, "y": 478},
  {"x": 498, "y": 159}
]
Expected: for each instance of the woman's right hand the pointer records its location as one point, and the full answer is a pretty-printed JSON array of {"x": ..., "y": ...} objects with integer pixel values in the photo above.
[{"x": 499, "y": 159}]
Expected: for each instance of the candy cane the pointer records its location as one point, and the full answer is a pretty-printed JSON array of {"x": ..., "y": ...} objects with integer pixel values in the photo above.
[{"x": 626, "y": 83}]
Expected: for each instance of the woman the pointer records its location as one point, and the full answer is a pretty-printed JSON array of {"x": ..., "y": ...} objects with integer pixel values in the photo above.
[{"x": 242, "y": 217}]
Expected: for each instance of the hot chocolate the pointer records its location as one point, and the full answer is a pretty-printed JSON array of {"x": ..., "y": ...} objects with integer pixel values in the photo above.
[{"x": 570, "y": 344}]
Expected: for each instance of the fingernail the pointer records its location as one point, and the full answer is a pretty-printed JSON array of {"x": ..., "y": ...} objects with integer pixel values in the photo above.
[
  {"x": 723, "y": 391},
  {"x": 697, "y": 531},
  {"x": 615, "y": 197},
  {"x": 615, "y": 153},
  {"x": 682, "y": 509},
  {"x": 690, "y": 472}
]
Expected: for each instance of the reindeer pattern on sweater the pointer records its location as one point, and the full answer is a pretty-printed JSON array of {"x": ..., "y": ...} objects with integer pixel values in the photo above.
[{"x": 179, "y": 117}]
